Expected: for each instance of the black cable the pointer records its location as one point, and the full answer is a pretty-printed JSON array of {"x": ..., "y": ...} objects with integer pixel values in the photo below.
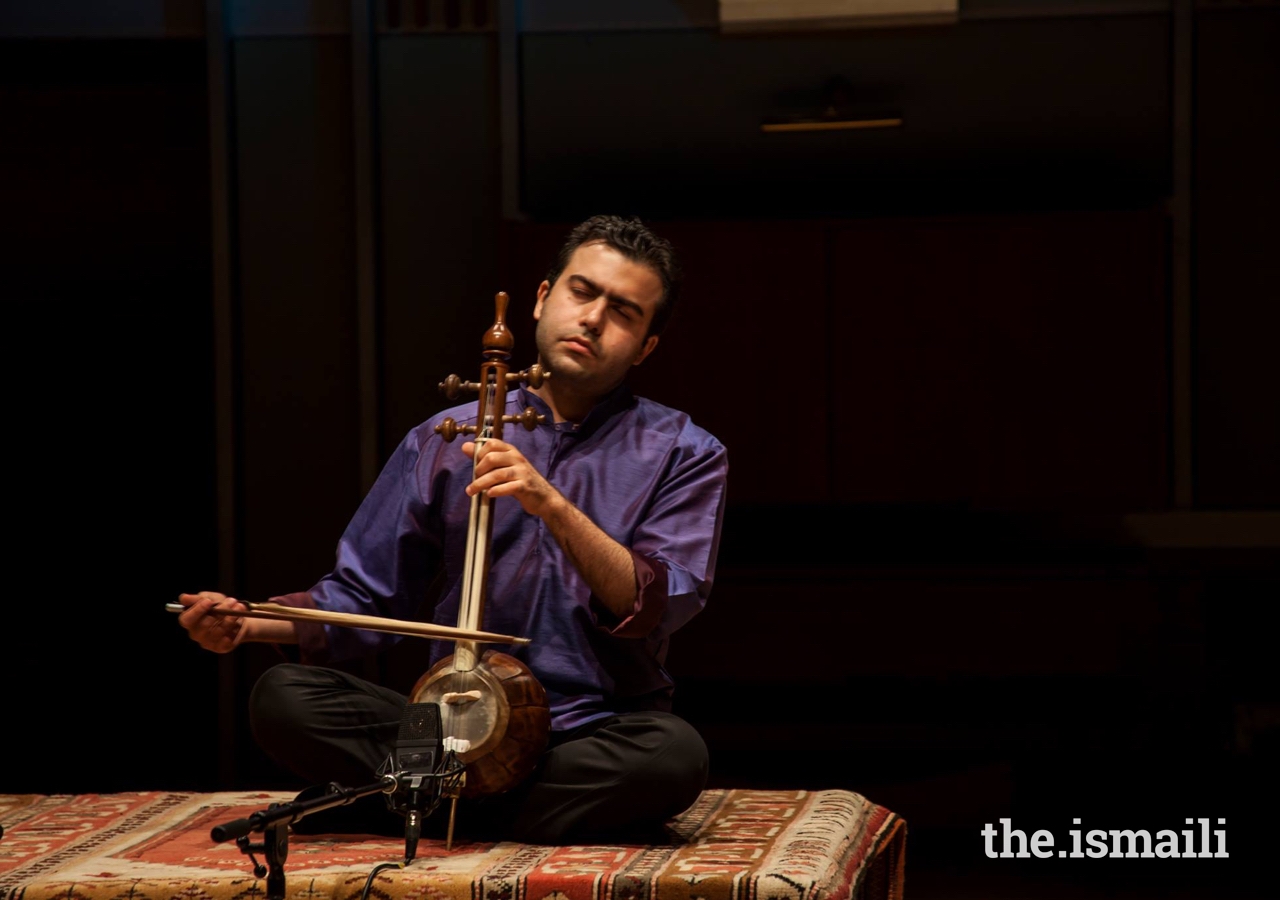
[{"x": 368, "y": 884}]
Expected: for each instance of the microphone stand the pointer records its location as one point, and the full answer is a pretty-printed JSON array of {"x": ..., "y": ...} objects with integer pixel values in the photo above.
[
  {"x": 413, "y": 817},
  {"x": 425, "y": 791},
  {"x": 274, "y": 824}
]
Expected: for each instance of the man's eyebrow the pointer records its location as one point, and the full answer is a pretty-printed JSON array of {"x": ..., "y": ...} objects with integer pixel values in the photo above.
[{"x": 613, "y": 298}]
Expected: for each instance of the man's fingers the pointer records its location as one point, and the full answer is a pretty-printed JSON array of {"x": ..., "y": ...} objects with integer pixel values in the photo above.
[
  {"x": 489, "y": 445},
  {"x": 491, "y": 455},
  {"x": 214, "y": 631},
  {"x": 197, "y": 607},
  {"x": 496, "y": 460},
  {"x": 197, "y": 615},
  {"x": 491, "y": 480}
]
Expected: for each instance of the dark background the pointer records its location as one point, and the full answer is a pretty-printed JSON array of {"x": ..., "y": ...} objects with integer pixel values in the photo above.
[{"x": 998, "y": 385}]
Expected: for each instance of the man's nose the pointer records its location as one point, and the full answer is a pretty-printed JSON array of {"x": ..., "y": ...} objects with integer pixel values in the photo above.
[{"x": 593, "y": 314}]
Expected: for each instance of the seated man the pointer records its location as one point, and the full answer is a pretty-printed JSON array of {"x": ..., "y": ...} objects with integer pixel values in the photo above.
[{"x": 609, "y": 548}]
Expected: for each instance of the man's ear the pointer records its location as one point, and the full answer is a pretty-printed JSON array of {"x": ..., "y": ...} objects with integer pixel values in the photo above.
[
  {"x": 649, "y": 343},
  {"x": 543, "y": 290}
]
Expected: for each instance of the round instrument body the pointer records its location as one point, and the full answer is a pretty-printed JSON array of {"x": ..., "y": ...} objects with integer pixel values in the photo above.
[{"x": 500, "y": 707}]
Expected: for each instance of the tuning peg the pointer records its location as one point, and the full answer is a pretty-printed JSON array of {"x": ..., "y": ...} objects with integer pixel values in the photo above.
[
  {"x": 449, "y": 429},
  {"x": 452, "y": 386},
  {"x": 532, "y": 376},
  {"x": 529, "y": 419}
]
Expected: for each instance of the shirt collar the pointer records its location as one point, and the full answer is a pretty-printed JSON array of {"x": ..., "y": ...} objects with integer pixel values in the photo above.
[{"x": 617, "y": 400}]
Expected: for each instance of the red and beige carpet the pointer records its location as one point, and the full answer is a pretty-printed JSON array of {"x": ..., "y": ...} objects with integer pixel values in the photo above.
[{"x": 731, "y": 845}]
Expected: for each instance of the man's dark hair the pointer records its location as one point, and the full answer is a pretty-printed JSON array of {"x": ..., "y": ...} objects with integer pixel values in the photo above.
[{"x": 633, "y": 239}]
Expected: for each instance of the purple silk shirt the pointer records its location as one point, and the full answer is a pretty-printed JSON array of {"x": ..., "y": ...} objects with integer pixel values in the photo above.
[{"x": 644, "y": 473}]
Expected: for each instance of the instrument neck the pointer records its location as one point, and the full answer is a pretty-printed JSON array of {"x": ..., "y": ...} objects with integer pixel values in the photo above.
[{"x": 475, "y": 575}]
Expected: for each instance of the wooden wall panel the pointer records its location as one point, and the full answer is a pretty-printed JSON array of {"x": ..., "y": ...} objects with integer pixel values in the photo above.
[
  {"x": 298, "y": 401},
  {"x": 298, "y": 384},
  {"x": 439, "y": 203},
  {"x": 1237, "y": 273},
  {"x": 1047, "y": 113},
  {"x": 1011, "y": 362}
]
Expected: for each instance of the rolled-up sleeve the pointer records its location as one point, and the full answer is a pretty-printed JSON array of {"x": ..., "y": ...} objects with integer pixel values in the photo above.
[{"x": 674, "y": 548}]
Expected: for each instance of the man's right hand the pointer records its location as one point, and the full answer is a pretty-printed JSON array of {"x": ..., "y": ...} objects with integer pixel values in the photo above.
[{"x": 218, "y": 633}]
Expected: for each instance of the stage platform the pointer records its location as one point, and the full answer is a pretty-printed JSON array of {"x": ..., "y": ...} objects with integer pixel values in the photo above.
[{"x": 730, "y": 845}]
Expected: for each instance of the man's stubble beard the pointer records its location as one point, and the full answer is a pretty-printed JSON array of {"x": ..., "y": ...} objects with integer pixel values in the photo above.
[{"x": 545, "y": 345}]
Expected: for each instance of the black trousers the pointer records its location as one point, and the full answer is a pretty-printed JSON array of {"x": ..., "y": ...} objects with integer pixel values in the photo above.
[{"x": 614, "y": 780}]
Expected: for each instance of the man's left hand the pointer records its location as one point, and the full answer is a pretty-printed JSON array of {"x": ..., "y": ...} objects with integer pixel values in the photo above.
[{"x": 503, "y": 471}]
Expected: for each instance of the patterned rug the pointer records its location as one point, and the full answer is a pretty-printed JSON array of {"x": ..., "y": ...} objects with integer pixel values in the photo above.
[{"x": 730, "y": 845}]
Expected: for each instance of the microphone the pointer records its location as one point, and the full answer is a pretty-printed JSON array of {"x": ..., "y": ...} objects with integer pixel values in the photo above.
[
  {"x": 415, "y": 761},
  {"x": 418, "y": 745}
]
